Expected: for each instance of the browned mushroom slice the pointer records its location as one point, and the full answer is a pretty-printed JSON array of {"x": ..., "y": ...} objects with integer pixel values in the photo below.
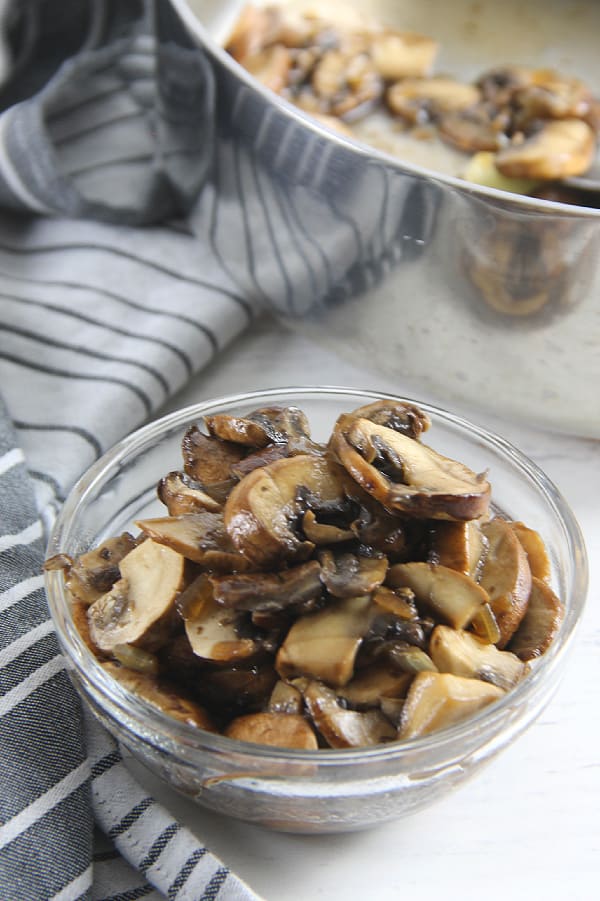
[
  {"x": 472, "y": 129},
  {"x": 324, "y": 644},
  {"x": 181, "y": 495},
  {"x": 96, "y": 571},
  {"x": 454, "y": 597},
  {"x": 200, "y": 537},
  {"x": 348, "y": 575},
  {"x": 458, "y": 545},
  {"x": 463, "y": 654},
  {"x": 405, "y": 475},
  {"x": 346, "y": 83},
  {"x": 283, "y": 730},
  {"x": 506, "y": 577},
  {"x": 403, "y": 54},
  {"x": 262, "y": 509},
  {"x": 540, "y": 624},
  {"x": 415, "y": 99},
  {"x": 256, "y": 459},
  {"x": 255, "y": 28},
  {"x": 438, "y": 700},
  {"x": 343, "y": 728},
  {"x": 214, "y": 635},
  {"x": 401, "y": 416},
  {"x": 372, "y": 684},
  {"x": 285, "y": 698},
  {"x": 140, "y": 607},
  {"x": 209, "y": 460},
  {"x": 261, "y": 427},
  {"x": 499, "y": 85},
  {"x": 550, "y": 95},
  {"x": 534, "y": 547},
  {"x": 558, "y": 149},
  {"x": 269, "y": 591},
  {"x": 160, "y": 695},
  {"x": 400, "y": 603}
]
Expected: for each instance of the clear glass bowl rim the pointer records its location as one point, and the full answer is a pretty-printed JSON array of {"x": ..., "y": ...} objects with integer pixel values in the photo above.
[{"x": 488, "y": 721}]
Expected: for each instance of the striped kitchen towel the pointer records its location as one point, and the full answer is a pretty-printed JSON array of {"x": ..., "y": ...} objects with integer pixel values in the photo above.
[{"x": 100, "y": 322}]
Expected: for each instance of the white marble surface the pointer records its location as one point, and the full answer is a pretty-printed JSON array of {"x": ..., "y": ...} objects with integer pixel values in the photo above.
[{"x": 528, "y": 825}]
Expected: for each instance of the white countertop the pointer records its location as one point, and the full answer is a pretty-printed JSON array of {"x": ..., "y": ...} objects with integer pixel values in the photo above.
[{"x": 527, "y": 826}]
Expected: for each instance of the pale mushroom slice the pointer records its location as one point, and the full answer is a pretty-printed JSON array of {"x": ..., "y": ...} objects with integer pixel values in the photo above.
[
  {"x": 324, "y": 645},
  {"x": 541, "y": 623},
  {"x": 180, "y": 494},
  {"x": 281, "y": 730},
  {"x": 95, "y": 572},
  {"x": 506, "y": 577},
  {"x": 290, "y": 588},
  {"x": 437, "y": 700},
  {"x": 343, "y": 728},
  {"x": 157, "y": 693},
  {"x": 349, "y": 575},
  {"x": 214, "y": 635},
  {"x": 450, "y": 594},
  {"x": 271, "y": 67},
  {"x": 140, "y": 607},
  {"x": 559, "y": 149},
  {"x": 403, "y": 54},
  {"x": 481, "y": 170},
  {"x": 537, "y": 554},
  {"x": 417, "y": 99},
  {"x": 262, "y": 510},
  {"x": 285, "y": 698},
  {"x": 372, "y": 684},
  {"x": 200, "y": 537},
  {"x": 406, "y": 475},
  {"x": 458, "y": 545},
  {"x": 463, "y": 654}
]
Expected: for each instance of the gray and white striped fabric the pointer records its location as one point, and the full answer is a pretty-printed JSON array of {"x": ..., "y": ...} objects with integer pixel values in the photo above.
[{"x": 100, "y": 323}]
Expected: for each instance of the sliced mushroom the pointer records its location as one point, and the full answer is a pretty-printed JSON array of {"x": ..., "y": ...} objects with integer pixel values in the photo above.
[
  {"x": 348, "y": 575},
  {"x": 343, "y": 728},
  {"x": 422, "y": 483},
  {"x": 267, "y": 425},
  {"x": 181, "y": 495},
  {"x": 293, "y": 587},
  {"x": 506, "y": 577},
  {"x": 345, "y": 82},
  {"x": 200, "y": 537},
  {"x": 270, "y": 67},
  {"x": 160, "y": 695},
  {"x": 550, "y": 95},
  {"x": 452, "y": 595},
  {"x": 324, "y": 533},
  {"x": 558, "y": 149},
  {"x": 283, "y": 730},
  {"x": 403, "y": 54},
  {"x": 95, "y": 572},
  {"x": 324, "y": 644},
  {"x": 499, "y": 85},
  {"x": 458, "y": 545},
  {"x": 214, "y": 635},
  {"x": 534, "y": 547},
  {"x": 374, "y": 683},
  {"x": 463, "y": 654},
  {"x": 209, "y": 460},
  {"x": 473, "y": 129},
  {"x": 437, "y": 700},
  {"x": 400, "y": 602},
  {"x": 255, "y": 28},
  {"x": 540, "y": 624},
  {"x": 285, "y": 698},
  {"x": 136, "y": 659},
  {"x": 418, "y": 99},
  {"x": 140, "y": 608},
  {"x": 401, "y": 416},
  {"x": 262, "y": 510}
]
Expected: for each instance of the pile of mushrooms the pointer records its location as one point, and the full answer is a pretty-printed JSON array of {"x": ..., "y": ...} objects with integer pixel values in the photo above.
[
  {"x": 523, "y": 126},
  {"x": 314, "y": 595}
]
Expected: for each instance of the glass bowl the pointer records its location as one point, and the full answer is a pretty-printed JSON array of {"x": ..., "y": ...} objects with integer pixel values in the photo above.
[{"x": 324, "y": 790}]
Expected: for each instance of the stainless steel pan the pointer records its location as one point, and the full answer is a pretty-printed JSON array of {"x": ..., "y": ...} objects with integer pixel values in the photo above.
[{"x": 478, "y": 295}]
